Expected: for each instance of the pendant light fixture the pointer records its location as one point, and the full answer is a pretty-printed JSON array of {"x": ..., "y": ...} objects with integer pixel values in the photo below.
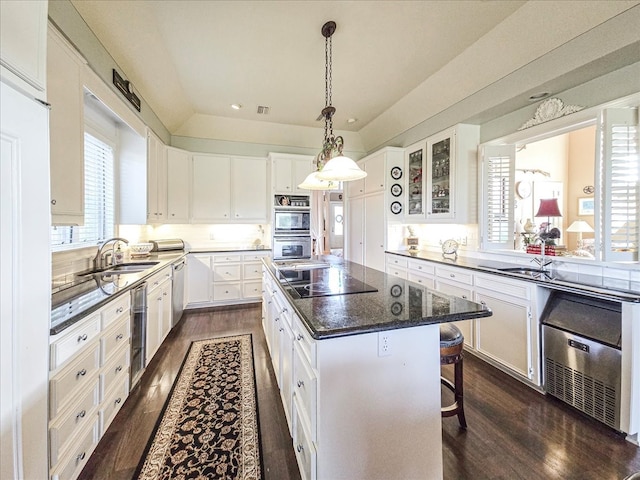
[{"x": 331, "y": 165}]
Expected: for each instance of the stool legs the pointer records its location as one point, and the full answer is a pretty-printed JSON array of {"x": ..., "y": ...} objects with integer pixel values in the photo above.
[{"x": 457, "y": 407}]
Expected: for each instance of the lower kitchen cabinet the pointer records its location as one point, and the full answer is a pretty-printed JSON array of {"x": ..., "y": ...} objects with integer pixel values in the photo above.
[
  {"x": 459, "y": 283},
  {"x": 224, "y": 278},
  {"x": 88, "y": 383},
  {"x": 158, "y": 311}
]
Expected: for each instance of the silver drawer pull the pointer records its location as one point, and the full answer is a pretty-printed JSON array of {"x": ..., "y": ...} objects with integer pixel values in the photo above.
[
  {"x": 299, "y": 337},
  {"x": 299, "y": 448},
  {"x": 464, "y": 296},
  {"x": 452, "y": 275},
  {"x": 81, "y": 415},
  {"x": 282, "y": 330},
  {"x": 300, "y": 384},
  {"x": 82, "y": 338},
  {"x": 276, "y": 319},
  {"x": 120, "y": 310},
  {"x": 117, "y": 401},
  {"x": 120, "y": 336},
  {"x": 81, "y": 373},
  {"x": 118, "y": 368},
  {"x": 80, "y": 457}
]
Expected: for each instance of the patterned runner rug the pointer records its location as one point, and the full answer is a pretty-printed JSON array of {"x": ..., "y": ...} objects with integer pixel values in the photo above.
[{"x": 209, "y": 427}]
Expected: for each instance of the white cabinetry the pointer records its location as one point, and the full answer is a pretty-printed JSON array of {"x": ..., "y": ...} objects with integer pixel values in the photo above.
[
  {"x": 288, "y": 171},
  {"x": 229, "y": 189},
  {"x": 23, "y": 45},
  {"x": 223, "y": 278},
  {"x": 158, "y": 311},
  {"x": 156, "y": 179},
  {"x": 89, "y": 382},
  {"x": 368, "y": 207},
  {"x": 459, "y": 283},
  {"x": 66, "y": 131},
  {"x": 178, "y": 181}
]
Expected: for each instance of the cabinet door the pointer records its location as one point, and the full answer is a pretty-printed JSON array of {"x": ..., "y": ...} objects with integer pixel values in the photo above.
[
  {"x": 156, "y": 179},
  {"x": 301, "y": 168},
  {"x": 374, "y": 225},
  {"x": 440, "y": 175},
  {"x": 199, "y": 278},
  {"x": 167, "y": 311},
  {"x": 375, "y": 168},
  {"x": 355, "y": 230},
  {"x": 154, "y": 322},
  {"x": 282, "y": 168},
  {"x": 504, "y": 336},
  {"x": 23, "y": 43},
  {"x": 356, "y": 188},
  {"x": 462, "y": 291},
  {"x": 66, "y": 133},
  {"x": 211, "y": 188},
  {"x": 415, "y": 158},
  {"x": 249, "y": 189},
  {"x": 178, "y": 178}
]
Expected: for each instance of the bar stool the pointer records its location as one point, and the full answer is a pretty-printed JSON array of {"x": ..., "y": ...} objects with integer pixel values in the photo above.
[{"x": 451, "y": 342}]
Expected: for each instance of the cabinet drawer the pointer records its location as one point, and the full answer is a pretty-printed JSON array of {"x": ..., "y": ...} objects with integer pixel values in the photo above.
[
  {"x": 64, "y": 429},
  {"x": 254, "y": 257},
  {"x": 156, "y": 279},
  {"x": 422, "y": 267},
  {"x": 112, "y": 339},
  {"x": 72, "y": 342},
  {"x": 115, "y": 310},
  {"x": 226, "y": 273},
  {"x": 226, "y": 291},
  {"x": 227, "y": 258},
  {"x": 396, "y": 261},
  {"x": 252, "y": 289},
  {"x": 455, "y": 274},
  {"x": 511, "y": 287},
  {"x": 65, "y": 385},
  {"x": 75, "y": 460},
  {"x": 396, "y": 272},
  {"x": 305, "y": 388},
  {"x": 305, "y": 451},
  {"x": 303, "y": 339},
  {"x": 115, "y": 371},
  {"x": 113, "y": 403},
  {"x": 423, "y": 280},
  {"x": 251, "y": 271}
]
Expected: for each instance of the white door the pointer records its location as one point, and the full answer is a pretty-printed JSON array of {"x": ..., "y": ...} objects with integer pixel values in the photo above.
[
  {"x": 336, "y": 225},
  {"x": 25, "y": 285}
]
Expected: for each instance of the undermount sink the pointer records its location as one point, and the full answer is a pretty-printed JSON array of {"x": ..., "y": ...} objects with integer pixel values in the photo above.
[
  {"x": 521, "y": 270},
  {"x": 125, "y": 268}
]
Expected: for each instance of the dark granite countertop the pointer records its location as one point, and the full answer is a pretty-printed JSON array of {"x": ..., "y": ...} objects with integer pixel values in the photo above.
[
  {"x": 397, "y": 303},
  {"x": 600, "y": 286},
  {"x": 91, "y": 292},
  {"x": 228, "y": 249}
]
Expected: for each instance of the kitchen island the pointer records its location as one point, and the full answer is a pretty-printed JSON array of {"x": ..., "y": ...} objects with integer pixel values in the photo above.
[{"x": 356, "y": 357}]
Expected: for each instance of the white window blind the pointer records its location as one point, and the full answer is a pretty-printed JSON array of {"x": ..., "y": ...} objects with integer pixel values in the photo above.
[
  {"x": 497, "y": 202},
  {"x": 99, "y": 198},
  {"x": 621, "y": 192}
]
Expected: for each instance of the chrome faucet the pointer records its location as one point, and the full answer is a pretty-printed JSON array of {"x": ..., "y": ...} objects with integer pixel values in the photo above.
[
  {"x": 99, "y": 262},
  {"x": 542, "y": 262}
]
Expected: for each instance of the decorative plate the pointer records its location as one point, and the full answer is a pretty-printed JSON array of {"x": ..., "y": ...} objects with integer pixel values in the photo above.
[
  {"x": 589, "y": 189},
  {"x": 396, "y": 208},
  {"x": 396, "y": 291},
  {"x": 396, "y": 308},
  {"x": 396, "y": 190},
  {"x": 523, "y": 189},
  {"x": 396, "y": 173}
]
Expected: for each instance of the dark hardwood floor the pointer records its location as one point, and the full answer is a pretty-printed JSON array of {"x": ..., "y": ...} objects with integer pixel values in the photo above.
[{"x": 514, "y": 432}]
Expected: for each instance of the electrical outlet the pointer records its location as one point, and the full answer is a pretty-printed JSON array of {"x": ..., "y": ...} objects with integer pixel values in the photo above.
[
  {"x": 463, "y": 241},
  {"x": 384, "y": 344}
]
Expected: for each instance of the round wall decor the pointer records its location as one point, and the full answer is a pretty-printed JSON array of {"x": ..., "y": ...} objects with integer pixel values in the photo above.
[
  {"x": 396, "y": 208},
  {"x": 396, "y": 190},
  {"x": 396, "y": 173}
]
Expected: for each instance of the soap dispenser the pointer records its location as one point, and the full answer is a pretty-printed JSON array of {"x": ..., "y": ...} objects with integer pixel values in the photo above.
[{"x": 118, "y": 255}]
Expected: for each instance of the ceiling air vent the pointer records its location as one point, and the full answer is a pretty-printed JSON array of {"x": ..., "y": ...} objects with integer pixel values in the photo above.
[{"x": 262, "y": 110}]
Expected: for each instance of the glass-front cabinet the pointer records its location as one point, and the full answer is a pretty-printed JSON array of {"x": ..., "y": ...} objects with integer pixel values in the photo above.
[
  {"x": 415, "y": 180},
  {"x": 440, "y": 176}
]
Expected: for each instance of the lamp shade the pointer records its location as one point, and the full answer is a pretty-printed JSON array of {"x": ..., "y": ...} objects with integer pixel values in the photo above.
[
  {"x": 312, "y": 182},
  {"x": 548, "y": 208},
  {"x": 341, "y": 169},
  {"x": 580, "y": 226}
]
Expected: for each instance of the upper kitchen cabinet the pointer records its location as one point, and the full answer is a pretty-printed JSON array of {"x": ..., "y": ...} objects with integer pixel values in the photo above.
[
  {"x": 66, "y": 130},
  {"x": 374, "y": 182},
  {"x": 23, "y": 45},
  {"x": 229, "y": 189},
  {"x": 442, "y": 176},
  {"x": 156, "y": 179},
  {"x": 178, "y": 180},
  {"x": 288, "y": 171}
]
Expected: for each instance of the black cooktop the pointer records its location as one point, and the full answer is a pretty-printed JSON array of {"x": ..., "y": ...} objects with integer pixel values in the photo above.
[{"x": 323, "y": 282}]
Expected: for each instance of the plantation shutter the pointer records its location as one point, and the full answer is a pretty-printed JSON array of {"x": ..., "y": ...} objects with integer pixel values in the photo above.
[
  {"x": 620, "y": 185},
  {"x": 99, "y": 198},
  {"x": 498, "y": 174}
]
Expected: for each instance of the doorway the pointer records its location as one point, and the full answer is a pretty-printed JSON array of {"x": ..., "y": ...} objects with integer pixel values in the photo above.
[{"x": 336, "y": 223}]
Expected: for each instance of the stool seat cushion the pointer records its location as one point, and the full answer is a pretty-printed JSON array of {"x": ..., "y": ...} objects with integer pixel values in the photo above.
[{"x": 450, "y": 335}]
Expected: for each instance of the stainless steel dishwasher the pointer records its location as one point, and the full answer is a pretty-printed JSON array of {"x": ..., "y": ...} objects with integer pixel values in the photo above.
[
  {"x": 178, "y": 291},
  {"x": 138, "y": 332}
]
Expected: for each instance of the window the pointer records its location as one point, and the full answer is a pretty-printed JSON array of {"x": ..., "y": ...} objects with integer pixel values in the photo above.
[{"x": 99, "y": 199}]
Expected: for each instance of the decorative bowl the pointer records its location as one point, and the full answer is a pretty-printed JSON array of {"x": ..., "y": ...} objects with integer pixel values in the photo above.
[{"x": 140, "y": 249}]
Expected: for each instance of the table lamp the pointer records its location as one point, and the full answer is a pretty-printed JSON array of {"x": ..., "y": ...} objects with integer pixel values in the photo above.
[
  {"x": 549, "y": 208},
  {"x": 580, "y": 227}
]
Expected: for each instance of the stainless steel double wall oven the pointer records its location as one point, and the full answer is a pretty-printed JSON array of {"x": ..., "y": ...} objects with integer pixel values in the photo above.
[{"x": 291, "y": 227}]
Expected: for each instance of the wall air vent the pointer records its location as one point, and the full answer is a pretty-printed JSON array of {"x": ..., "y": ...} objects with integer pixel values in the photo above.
[{"x": 262, "y": 110}]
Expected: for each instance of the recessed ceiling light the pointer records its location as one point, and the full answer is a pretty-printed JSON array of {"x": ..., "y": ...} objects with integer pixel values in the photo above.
[
  {"x": 539, "y": 96},
  {"x": 352, "y": 120},
  {"x": 236, "y": 106}
]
